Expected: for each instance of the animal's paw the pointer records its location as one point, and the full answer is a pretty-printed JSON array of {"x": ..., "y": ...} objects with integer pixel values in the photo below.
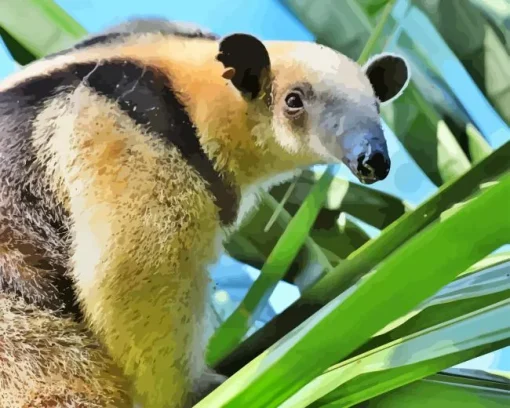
[{"x": 207, "y": 383}]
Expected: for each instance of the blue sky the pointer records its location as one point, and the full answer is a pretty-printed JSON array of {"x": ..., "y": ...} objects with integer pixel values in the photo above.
[{"x": 268, "y": 19}]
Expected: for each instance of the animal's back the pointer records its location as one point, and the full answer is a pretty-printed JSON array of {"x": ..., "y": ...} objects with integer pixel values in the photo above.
[
  {"x": 34, "y": 226},
  {"x": 48, "y": 355}
]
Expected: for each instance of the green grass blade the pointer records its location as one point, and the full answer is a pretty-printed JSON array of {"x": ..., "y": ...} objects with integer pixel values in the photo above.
[
  {"x": 235, "y": 327},
  {"x": 374, "y": 207},
  {"x": 252, "y": 245},
  {"x": 408, "y": 359},
  {"x": 441, "y": 390},
  {"x": 332, "y": 333},
  {"x": 367, "y": 257}
]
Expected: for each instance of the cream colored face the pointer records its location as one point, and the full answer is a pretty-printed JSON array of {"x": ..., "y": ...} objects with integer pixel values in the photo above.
[{"x": 326, "y": 103}]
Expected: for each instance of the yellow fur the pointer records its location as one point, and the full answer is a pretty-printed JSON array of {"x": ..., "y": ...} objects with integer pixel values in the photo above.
[
  {"x": 143, "y": 220},
  {"x": 144, "y": 225},
  {"x": 143, "y": 229},
  {"x": 49, "y": 361}
]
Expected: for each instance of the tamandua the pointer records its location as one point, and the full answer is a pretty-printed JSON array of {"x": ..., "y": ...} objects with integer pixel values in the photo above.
[{"x": 125, "y": 161}]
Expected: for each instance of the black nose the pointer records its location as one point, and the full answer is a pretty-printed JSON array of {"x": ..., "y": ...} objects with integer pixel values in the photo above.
[{"x": 375, "y": 168}]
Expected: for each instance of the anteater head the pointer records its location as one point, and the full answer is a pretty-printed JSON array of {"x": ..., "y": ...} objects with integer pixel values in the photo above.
[{"x": 323, "y": 106}]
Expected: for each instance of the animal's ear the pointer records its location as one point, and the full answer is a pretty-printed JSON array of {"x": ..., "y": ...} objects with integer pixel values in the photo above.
[
  {"x": 389, "y": 75},
  {"x": 247, "y": 64}
]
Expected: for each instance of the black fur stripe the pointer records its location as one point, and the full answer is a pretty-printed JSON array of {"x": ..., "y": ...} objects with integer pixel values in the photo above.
[
  {"x": 33, "y": 224},
  {"x": 101, "y": 39},
  {"x": 144, "y": 94}
]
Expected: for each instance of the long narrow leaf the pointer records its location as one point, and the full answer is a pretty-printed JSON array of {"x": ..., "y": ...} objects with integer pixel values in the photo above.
[
  {"x": 481, "y": 377},
  {"x": 367, "y": 257},
  {"x": 408, "y": 359},
  {"x": 332, "y": 333},
  {"x": 466, "y": 294},
  {"x": 463, "y": 295},
  {"x": 231, "y": 333},
  {"x": 40, "y": 26},
  {"x": 442, "y": 390},
  {"x": 374, "y": 207}
]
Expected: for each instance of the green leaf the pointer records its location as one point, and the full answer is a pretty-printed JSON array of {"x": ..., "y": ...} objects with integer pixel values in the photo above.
[
  {"x": 252, "y": 244},
  {"x": 408, "y": 359},
  {"x": 19, "y": 53},
  {"x": 235, "y": 327},
  {"x": 367, "y": 257},
  {"x": 308, "y": 350},
  {"x": 477, "y": 44},
  {"x": 466, "y": 294},
  {"x": 444, "y": 390},
  {"x": 372, "y": 206},
  {"x": 40, "y": 27},
  {"x": 476, "y": 376}
]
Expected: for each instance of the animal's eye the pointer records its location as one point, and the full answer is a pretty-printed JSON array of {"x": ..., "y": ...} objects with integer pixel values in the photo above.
[{"x": 294, "y": 101}]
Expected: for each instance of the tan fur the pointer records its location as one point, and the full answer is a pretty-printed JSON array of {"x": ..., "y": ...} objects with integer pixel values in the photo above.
[
  {"x": 145, "y": 226},
  {"x": 144, "y": 222},
  {"x": 49, "y": 361}
]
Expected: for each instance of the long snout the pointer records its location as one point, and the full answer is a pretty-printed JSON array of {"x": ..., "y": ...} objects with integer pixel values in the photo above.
[{"x": 366, "y": 154}]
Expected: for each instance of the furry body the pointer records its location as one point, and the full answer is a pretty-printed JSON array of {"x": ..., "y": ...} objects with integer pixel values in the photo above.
[
  {"x": 50, "y": 127},
  {"x": 125, "y": 161}
]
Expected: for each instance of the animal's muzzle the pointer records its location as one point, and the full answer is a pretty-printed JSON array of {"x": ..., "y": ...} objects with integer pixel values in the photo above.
[
  {"x": 366, "y": 154},
  {"x": 373, "y": 167}
]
